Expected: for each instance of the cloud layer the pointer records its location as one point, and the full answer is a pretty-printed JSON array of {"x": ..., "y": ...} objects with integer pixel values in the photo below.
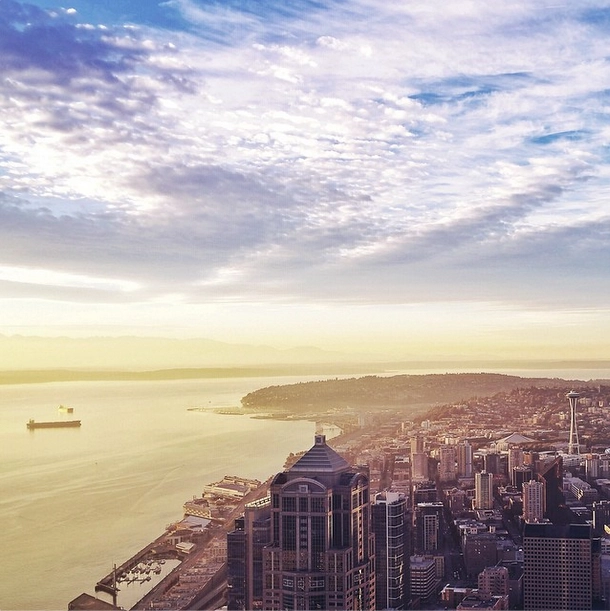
[{"x": 345, "y": 152}]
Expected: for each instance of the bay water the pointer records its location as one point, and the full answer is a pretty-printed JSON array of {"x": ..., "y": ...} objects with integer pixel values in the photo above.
[{"x": 75, "y": 501}]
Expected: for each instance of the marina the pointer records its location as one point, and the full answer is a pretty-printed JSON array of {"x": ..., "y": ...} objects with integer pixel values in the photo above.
[{"x": 196, "y": 547}]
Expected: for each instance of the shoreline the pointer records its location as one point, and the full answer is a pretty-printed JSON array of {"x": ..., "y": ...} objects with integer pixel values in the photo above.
[{"x": 326, "y": 370}]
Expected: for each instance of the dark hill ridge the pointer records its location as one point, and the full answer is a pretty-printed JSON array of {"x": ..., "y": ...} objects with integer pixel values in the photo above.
[
  {"x": 393, "y": 391},
  {"x": 36, "y": 376}
]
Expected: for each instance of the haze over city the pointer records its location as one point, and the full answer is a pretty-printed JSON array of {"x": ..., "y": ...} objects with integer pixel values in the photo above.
[{"x": 401, "y": 179}]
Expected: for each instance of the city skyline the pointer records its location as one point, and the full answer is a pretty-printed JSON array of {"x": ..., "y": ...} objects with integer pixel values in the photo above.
[{"x": 404, "y": 180}]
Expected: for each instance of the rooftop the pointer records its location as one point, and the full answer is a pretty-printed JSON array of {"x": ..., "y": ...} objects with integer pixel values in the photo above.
[
  {"x": 516, "y": 438},
  {"x": 86, "y": 602},
  {"x": 320, "y": 458}
]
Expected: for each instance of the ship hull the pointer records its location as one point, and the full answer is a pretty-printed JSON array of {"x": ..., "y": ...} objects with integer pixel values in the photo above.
[{"x": 53, "y": 425}]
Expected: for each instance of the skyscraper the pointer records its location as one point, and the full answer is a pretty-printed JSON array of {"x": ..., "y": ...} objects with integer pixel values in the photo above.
[
  {"x": 236, "y": 567},
  {"x": 558, "y": 563},
  {"x": 515, "y": 458},
  {"x": 533, "y": 501},
  {"x": 390, "y": 522},
  {"x": 523, "y": 473},
  {"x": 483, "y": 490},
  {"x": 464, "y": 459},
  {"x": 492, "y": 463},
  {"x": 321, "y": 551},
  {"x": 592, "y": 466},
  {"x": 419, "y": 466},
  {"x": 550, "y": 472},
  {"x": 447, "y": 469},
  {"x": 245, "y": 556},
  {"x": 417, "y": 444},
  {"x": 428, "y": 519}
]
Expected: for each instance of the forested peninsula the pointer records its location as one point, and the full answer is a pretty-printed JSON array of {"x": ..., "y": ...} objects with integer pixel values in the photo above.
[{"x": 390, "y": 392}]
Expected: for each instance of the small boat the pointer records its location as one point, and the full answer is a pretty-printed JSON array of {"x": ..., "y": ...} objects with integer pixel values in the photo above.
[{"x": 65, "y": 410}]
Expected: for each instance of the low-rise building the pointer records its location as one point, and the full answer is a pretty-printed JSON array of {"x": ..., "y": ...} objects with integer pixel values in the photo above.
[{"x": 483, "y": 602}]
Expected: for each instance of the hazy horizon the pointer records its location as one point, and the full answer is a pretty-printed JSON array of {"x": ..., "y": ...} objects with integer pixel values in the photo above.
[
  {"x": 414, "y": 180},
  {"x": 106, "y": 353}
]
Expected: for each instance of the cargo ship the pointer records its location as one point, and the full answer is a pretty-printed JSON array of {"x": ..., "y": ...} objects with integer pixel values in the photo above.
[{"x": 32, "y": 424}]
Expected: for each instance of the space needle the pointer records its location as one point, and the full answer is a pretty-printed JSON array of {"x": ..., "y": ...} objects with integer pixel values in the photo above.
[{"x": 573, "y": 444}]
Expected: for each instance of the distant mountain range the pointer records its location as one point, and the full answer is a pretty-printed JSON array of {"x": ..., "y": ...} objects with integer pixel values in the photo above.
[
  {"x": 144, "y": 353},
  {"x": 151, "y": 354}
]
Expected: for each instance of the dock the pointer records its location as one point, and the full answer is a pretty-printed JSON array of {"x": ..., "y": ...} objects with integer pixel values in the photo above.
[
  {"x": 200, "y": 580},
  {"x": 157, "y": 549}
]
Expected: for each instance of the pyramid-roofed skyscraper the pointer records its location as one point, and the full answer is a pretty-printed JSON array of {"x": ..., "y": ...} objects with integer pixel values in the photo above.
[{"x": 321, "y": 552}]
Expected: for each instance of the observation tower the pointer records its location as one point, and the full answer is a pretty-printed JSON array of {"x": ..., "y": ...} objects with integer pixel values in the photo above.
[{"x": 573, "y": 444}]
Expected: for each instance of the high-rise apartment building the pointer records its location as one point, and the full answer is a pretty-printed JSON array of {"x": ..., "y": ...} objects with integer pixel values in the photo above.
[
  {"x": 592, "y": 466},
  {"x": 533, "y": 501},
  {"x": 464, "y": 459},
  {"x": 520, "y": 474},
  {"x": 558, "y": 564},
  {"x": 321, "y": 550},
  {"x": 492, "y": 463},
  {"x": 428, "y": 518},
  {"x": 483, "y": 490},
  {"x": 390, "y": 523},
  {"x": 419, "y": 466},
  {"x": 515, "y": 458},
  {"x": 417, "y": 444},
  {"x": 447, "y": 467}
]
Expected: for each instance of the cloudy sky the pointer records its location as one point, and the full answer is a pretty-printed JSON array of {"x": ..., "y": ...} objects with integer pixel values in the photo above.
[{"x": 428, "y": 178}]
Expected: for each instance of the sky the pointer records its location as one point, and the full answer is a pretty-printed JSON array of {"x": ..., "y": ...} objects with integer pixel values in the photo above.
[{"x": 420, "y": 179}]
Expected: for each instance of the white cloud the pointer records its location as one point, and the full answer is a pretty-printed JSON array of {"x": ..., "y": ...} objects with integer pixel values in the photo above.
[
  {"x": 318, "y": 147},
  {"x": 53, "y": 278}
]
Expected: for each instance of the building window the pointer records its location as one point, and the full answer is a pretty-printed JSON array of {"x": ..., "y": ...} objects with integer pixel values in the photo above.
[{"x": 289, "y": 532}]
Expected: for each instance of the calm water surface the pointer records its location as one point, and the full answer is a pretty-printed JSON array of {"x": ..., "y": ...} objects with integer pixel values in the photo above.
[{"x": 75, "y": 501}]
